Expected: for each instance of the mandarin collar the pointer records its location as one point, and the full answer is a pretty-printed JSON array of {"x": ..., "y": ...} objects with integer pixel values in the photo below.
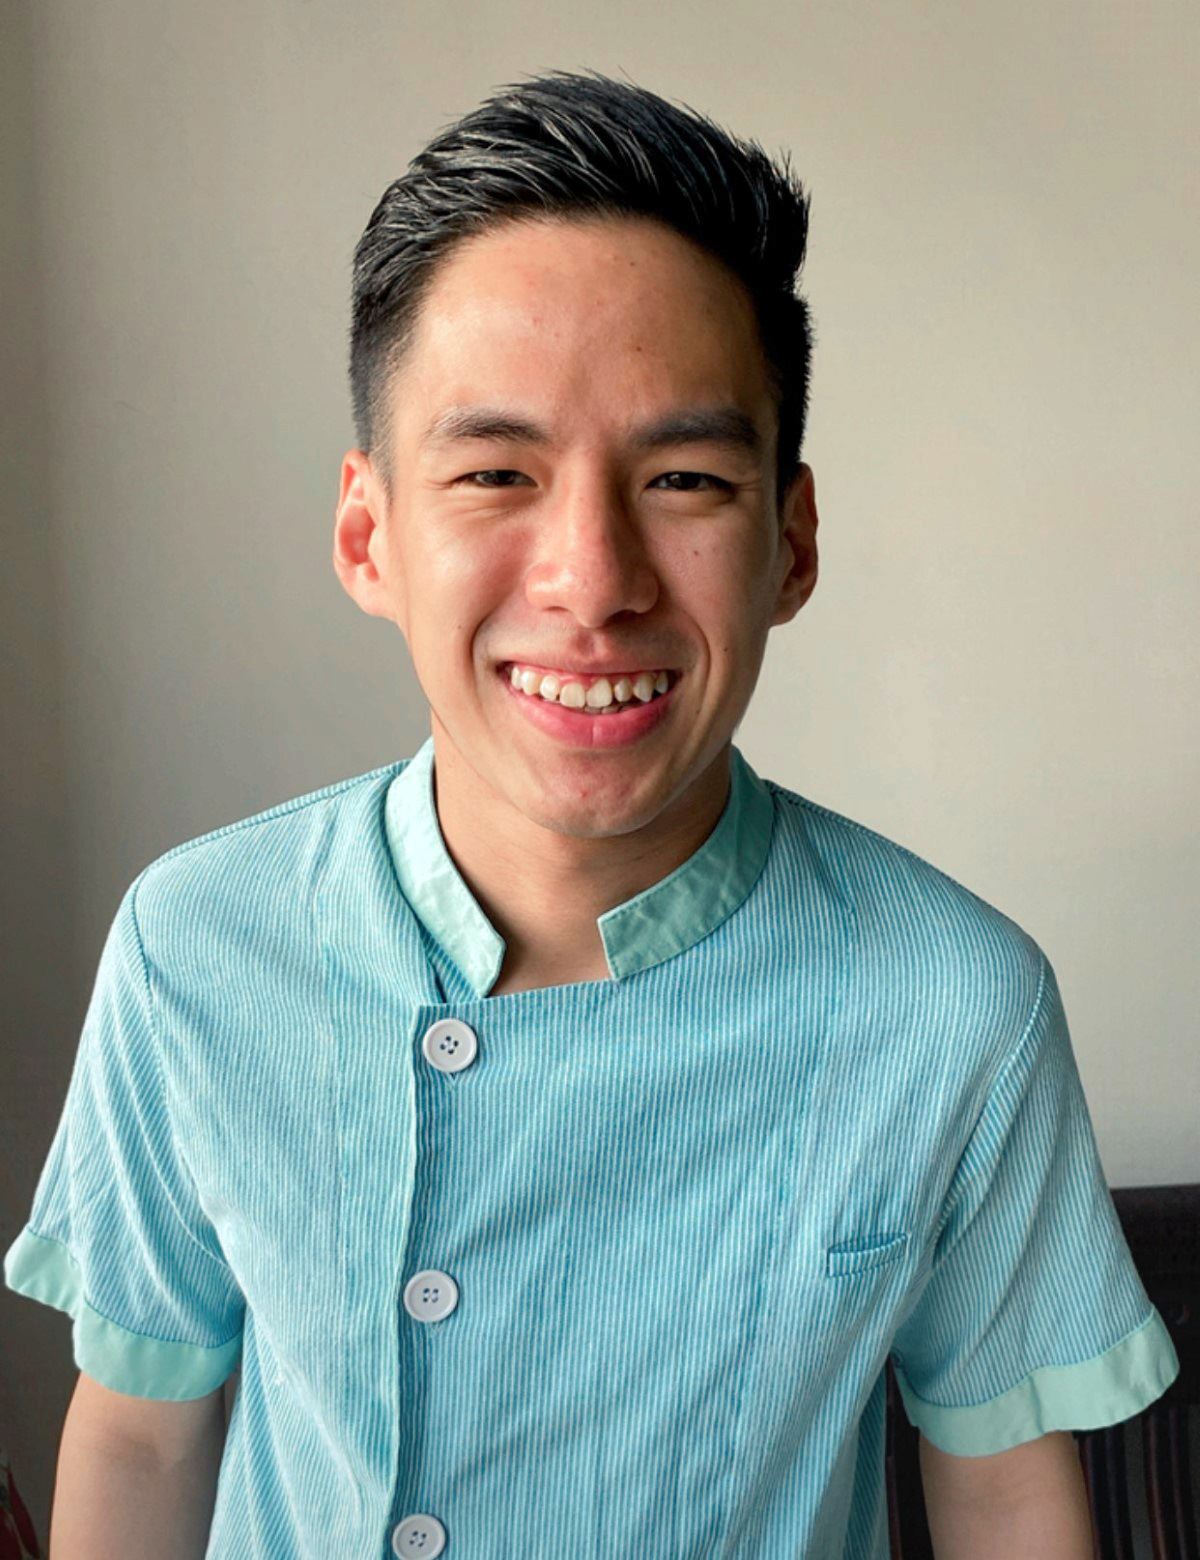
[{"x": 663, "y": 920}]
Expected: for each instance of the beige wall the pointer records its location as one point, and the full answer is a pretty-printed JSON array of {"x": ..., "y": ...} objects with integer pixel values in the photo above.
[{"x": 998, "y": 668}]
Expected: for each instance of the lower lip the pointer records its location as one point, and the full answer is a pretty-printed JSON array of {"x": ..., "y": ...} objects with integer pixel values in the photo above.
[{"x": 592, "y": 731}]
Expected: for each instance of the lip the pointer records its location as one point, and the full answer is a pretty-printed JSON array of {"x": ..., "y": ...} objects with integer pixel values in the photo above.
[
  {"x": 576, "y": 729},
  {"x": 575, "y": 671}
]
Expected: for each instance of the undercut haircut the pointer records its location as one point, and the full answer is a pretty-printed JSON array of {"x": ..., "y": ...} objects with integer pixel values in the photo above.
[{"x": 580, "y": 146}]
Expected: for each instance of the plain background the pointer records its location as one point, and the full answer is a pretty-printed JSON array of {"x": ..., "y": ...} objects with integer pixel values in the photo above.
[{"x": 998, "y": 666}]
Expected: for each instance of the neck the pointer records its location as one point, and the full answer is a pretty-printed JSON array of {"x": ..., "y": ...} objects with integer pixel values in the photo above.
[{"x": 543, "y": 889}]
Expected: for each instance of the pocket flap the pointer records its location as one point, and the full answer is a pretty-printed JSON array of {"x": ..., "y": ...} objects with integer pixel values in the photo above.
[{"x": 865, "y": 1251}]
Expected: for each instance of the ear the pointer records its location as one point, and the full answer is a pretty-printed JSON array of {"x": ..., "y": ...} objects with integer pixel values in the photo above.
[
  {"x": 359, "y": 536},
  {"x": 797, "y": 541}
]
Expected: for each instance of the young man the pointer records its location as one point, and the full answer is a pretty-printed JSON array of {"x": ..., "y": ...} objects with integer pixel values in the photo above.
[{"x": 564, "y": 1126}]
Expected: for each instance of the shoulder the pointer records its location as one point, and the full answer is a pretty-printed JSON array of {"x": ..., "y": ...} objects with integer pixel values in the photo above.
[
  {"x": 260, "y": 868},
  {"x": 920, "y": 938}
]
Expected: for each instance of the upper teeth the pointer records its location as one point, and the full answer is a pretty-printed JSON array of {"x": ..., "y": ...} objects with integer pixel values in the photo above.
[{"x": 597, "y": 696}]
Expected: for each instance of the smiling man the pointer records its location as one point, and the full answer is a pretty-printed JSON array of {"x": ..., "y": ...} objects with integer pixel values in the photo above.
[
  {"x": 564, "y": 1126},
  {"x": 586, "y": 622}
]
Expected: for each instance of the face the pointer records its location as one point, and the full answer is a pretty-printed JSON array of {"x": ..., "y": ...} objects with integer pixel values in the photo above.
[{"x": 583, "y": 547}]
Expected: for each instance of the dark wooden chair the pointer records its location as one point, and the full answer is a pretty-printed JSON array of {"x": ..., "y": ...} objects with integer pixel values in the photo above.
[{"x": 1162, "y": 1226}]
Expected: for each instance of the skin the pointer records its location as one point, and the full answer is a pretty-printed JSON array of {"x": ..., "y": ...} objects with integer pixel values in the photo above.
[
  {"x": 581, "y": 550},
  {"x": 1029, "y": 1501}
]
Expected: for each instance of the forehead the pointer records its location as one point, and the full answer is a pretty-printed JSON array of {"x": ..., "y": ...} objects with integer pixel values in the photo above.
[
  {"x": 629, "y": 255},
  {"x": 562, "y": 314}
]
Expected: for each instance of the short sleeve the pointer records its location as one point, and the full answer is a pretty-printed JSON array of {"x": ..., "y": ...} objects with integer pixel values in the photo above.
[
  {"x": 117, "y": 1237},
  {"x": 1033, "y": 1317}
]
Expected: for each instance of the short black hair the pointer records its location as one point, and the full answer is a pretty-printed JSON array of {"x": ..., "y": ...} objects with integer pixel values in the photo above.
[{"x": 580, "y": 144}]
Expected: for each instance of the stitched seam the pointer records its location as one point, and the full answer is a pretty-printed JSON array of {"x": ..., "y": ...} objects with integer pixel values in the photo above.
[
  {"x": 134, "y": 1332},
  {"x": 803, "y": 804},
  {"x": 1038, "y": 1371},
  {"x": 152, "y": 1010},
  {"x": 738, "y": 1416},
  {"x": 953, "y": 1196},
  {"x": 282, "y": 809}
]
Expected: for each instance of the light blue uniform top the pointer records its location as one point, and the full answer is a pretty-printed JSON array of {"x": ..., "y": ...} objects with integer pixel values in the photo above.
[{"x": 666, "y": 1228}]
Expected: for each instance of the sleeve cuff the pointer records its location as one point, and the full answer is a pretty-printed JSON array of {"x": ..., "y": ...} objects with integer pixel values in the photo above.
[
  {"x": 1101, "y": 1391},
  {"x": 44, "y": 1269}
]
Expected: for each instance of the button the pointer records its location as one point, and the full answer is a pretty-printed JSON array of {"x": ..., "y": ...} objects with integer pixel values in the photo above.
[
  {"x": 450, "y": 1045},
  {"x": 430, "y": 1295},
  {"x": 419, "y": 1534}
]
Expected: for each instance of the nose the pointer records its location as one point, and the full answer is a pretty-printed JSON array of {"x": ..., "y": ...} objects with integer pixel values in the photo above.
[{"x": 591, "y": 559}]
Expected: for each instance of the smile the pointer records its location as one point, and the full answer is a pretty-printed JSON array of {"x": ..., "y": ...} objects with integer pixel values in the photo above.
[
  {"x": 595, "y": 713},
  {"x": 598, "y": 695}
]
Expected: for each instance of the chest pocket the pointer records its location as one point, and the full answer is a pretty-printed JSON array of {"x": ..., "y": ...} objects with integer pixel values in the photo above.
[{"x": 865, "y": 1251}]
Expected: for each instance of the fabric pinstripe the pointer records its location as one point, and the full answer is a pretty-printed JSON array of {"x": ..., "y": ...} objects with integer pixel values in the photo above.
[{"x": 827, "y": 1110}]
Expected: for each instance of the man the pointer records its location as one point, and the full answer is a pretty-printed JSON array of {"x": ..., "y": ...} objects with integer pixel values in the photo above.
[{"x": 565, "y": 1125}]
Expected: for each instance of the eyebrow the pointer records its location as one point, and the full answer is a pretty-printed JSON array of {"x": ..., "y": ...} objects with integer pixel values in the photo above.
[{"x": 729, "y": 426}]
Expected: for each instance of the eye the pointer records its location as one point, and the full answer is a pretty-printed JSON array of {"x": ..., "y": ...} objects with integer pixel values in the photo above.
[
  {"x": 702, "y": 476},
  {"x": 494, "y": 472},
  {"x": 697, "y": 476}
]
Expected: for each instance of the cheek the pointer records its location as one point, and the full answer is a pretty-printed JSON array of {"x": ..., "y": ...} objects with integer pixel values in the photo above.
[
  {"x": 462, "y": 588},
  {"x": 447, "y": 575},
  {"x": 721, "y": 586}
]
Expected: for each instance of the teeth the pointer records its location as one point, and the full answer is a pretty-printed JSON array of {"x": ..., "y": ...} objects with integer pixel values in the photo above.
[{"x": 602, "y": 695}]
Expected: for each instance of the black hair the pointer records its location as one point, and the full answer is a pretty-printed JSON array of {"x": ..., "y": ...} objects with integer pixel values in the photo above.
[{"x": 582, "y": 145}]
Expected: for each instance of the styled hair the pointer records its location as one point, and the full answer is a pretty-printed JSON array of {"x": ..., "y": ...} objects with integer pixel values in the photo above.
[{"x": 581, "y": 145}]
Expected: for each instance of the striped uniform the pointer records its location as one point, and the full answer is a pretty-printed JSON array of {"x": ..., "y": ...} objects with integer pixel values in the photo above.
[{"x": 594, "y": 1269}]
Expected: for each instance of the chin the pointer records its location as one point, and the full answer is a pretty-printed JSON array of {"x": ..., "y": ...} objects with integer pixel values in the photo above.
[{"x": 586, "y": 817}]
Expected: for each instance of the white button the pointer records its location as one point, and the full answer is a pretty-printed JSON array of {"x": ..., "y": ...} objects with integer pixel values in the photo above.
[
  {"x": 430, "y": 1295},
  {"x": 420, "y": 1534},
  {"x": 450, "y": 1045}
]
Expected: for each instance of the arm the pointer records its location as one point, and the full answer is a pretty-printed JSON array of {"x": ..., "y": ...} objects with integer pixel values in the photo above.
[
  {"x": 137, "y": 1479},
  {"x": 1030, "y": 1501}
]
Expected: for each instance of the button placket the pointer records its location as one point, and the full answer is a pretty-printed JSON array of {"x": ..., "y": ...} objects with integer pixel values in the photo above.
[{"x": 449, "y": 1045}]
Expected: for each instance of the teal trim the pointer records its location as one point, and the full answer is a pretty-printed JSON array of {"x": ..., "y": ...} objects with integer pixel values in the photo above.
[
  {"x": 1104, "y": 1390},
  {"x": 664, "y": 920},
  {"x": 43, "y": 1269},
  {"x": 431, "y": 882},
  {"x": 676, "y": 913}
]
